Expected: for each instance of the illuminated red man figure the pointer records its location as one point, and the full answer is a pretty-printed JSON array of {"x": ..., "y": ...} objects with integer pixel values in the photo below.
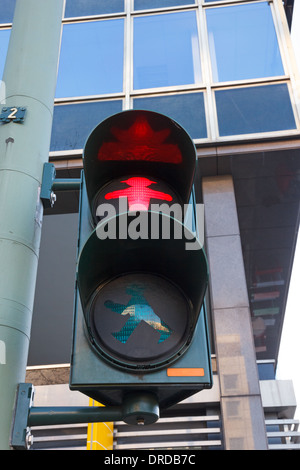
[{"x": 138, "y": 194}]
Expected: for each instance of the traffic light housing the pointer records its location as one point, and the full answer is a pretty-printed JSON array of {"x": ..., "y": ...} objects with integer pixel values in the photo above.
[{"x": 140, "y": 322}]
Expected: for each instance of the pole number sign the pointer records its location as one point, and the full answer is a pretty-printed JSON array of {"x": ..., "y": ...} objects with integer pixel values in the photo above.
[{"x": 13, "y": 114}]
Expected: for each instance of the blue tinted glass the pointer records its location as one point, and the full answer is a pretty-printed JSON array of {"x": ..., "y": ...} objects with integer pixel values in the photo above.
[
  {"x": 266, "y": 371},
  {"x": 254, "y": 109},
  {"x": 92, "y": 7},
  {"x": 4, "y": 40},
  {"x": 72, "y": 123},
  {"x": 91, "y": 59},
  {"x": 147, "y": 4},
  {"x": 242, "y": 42},
  {"x": 7, "y": 8},
  {"x": 166, "y": 50},
  {"x": 187, "y": 109}
]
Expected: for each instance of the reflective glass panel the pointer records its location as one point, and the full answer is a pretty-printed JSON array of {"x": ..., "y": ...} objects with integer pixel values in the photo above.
[
  {"x": 4, "y": 40},
  {"x": 254, "y": 109},
  {"x": 92, "y": 7},
  {"x": 266, "y": 371},
  {"x": 149, "y": 4},
  {"x": 187, "y": 109},
  {"x": 242, "y": 42},
  {"x": 73, "y": 123},
  {"x": 91, "y": 59},
  {"x": 166, "y": 50},
  {"x": 7, "y": 8}
]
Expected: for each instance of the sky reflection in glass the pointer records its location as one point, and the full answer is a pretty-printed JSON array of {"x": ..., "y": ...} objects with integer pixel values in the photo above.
[
  {"x": 148, "y": 4},
  {"x": 91, "y": 59},
  {"x": 7, "y": 8},
  {"x": 166, "y": 50},
  {"x": 254, "y": 109},
  {"x": 72, "y": 123},
  {"x": 243, "y": 42},
  {"x": 4, "y": 40},
  {"x": 185, "y": 108},
  {"x": 92, "y": 7}
]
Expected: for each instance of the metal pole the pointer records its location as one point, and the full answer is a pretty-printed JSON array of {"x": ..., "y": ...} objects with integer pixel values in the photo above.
[{"x": 29, "y": 81}]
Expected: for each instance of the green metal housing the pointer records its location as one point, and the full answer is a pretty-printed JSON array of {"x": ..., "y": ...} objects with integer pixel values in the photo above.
[{"x": 106, "y": 365}]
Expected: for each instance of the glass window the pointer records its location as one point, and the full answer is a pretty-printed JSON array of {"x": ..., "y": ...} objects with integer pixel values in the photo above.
[
  {"x": 7, "y": 9},
  {"x": 266, "y": 371},
  {"x": 91, "y": 59},
  {"x": 166, "y": 50},
  {"x": 148, "y": 4},
  {"x": 73, "y": 123},
  {"x": 187, "y": 109},
  {"x": 242, "y": 42},
  {"x": 4, "y": 40},
  {"x": 92, "y": 7},
  {"x": 254, "y": 109}
]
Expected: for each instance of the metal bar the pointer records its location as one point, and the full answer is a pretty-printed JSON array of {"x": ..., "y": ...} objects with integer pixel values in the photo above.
[
  {"x": 186, "y": 419},
  {"x": 66, "y": 184},
  {"x": 281, "y": 422},
  {"x": 168, "y": 432},
  {"x": 169, "y": 445},
  {"x": 283, "y": 434},
  {"x": 44, "y": 416},
  {"x": 284, "y": 446}
]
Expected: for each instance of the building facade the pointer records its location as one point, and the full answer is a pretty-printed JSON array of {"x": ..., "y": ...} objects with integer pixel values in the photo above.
[{"x": 225, "y": 71}]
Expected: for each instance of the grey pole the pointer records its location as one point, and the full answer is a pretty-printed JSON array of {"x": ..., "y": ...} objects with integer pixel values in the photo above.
[{"x": 29, "y": 81}]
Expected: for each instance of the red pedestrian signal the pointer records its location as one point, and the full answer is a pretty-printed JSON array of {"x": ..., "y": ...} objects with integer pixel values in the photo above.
[{"x": 139, "y": 194}]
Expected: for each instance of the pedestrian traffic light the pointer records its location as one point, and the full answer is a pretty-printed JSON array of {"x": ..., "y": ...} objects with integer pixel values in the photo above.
[{"x": 140, "y": 322}]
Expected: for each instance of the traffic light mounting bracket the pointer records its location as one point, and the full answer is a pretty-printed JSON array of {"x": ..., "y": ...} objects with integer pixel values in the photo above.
[
  {"x": 50, "y": 184},
  {"x": 136, "y": 409}
]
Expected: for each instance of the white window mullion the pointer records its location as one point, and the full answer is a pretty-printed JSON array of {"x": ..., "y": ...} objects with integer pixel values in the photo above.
[
  {"x": 211, "y": 113},
  {"x": 128, "y": 54}
]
